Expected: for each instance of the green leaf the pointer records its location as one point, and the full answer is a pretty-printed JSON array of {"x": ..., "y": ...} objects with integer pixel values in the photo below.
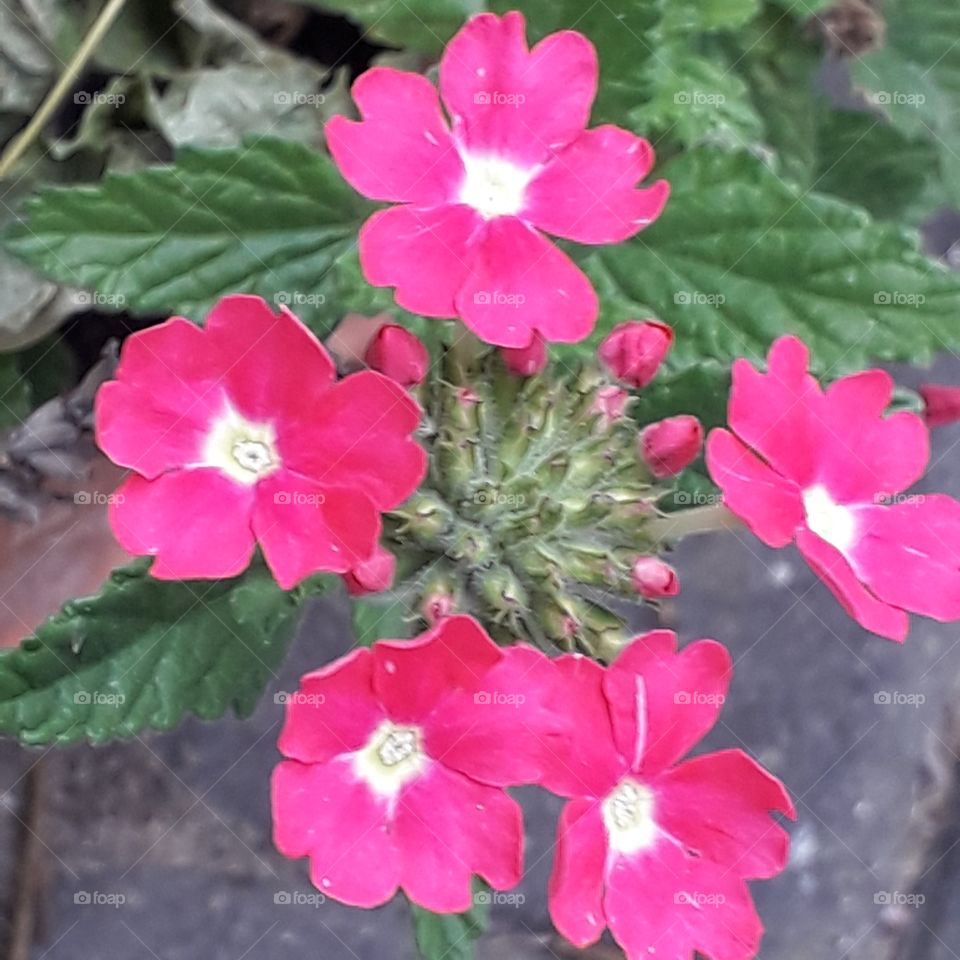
[
  {"x": 380, "y": 616},
  {"x": 15, "y": 393},
  {"x": 143, "y": 653},
  {"x": 272, "y": 218},
  {"x": 740, "y": 257},
  {"x": 915, "y": 79},
  {"x": 424, "y": 25},
  {"x": 868, "y": 162},
  {"x": 451, "y": 936}
]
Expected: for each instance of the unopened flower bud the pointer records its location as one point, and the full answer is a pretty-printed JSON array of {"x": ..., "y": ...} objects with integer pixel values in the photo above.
[
  {"x": 436, "y": 606},
  {"x": 671, "y": 445},
  {"x": 941, "y": 404},
  {"x": 398, "y": 354},
  {"x": 609, "y": 402},
  {"x": 653, "y": 578},
  {"x": 526, "y": 361},
  {"x": 633, "y": 351},
  {"x": 373, "y": 574}
]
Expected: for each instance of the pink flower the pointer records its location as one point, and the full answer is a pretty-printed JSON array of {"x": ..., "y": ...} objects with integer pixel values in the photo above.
[
  {"x": 238, "y": 435},
  {"x": 516, "y": 159},
  {"x": 398, "y": 354},
  {"x": 634, "y": 351},
  {"x": 397, "y": 756},
  {"x": 671, "y": 445},
  {"x": 656, "y": 850},
  {"x": 653, "y": 578},
  {"x": 941, "y": 404},
  {"x": 816, "y": 467},
  {"x": 526, "y": 361},
  {"x": 373, "y": 574}
]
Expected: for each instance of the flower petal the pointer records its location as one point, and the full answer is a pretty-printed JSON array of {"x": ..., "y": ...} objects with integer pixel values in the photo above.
[
  {"x": 719, "y": 807},
  {"x": 521, "y": 283},
  {"x": 584, "y": 761},
  {"x": 687, "y": 904},
  {"x": 411, "y": 677},
  {"x": 779, "y": 413},
  {"x": 448, "y": 828},
  {"x": 769, "y": 504},
  {"x": 498, "y": 733},
  {"x": 869, "y": 611},
  {"x": 864, "y": 454},
  {"x": 325, "y": 812},
  {"x": 576, "y": 883},
  {"x": 587, "y": 191},
  {"x": 147, "y": 517},
  {"x": 519, "y": 105},
  {"x": 908, "y": 554},
  {"x": 304, "y": 528},
  {"x": 424, "y": 253},
  {"x": 334, "y": 711},
  {"x": 401, "y": 150},
  {"x": 273, "y": 367},
  {"x": 155, "y": 416},
  {"x": 359, "y": 437},
  {"x": 662, "y": 702}
]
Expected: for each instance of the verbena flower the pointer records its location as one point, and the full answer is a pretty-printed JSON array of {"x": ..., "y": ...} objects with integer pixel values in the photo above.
[
  {"x": 656, "y": 850},
  {"x": 397, "y": 756},
  {"x": 825, "y": 469},
  {"x": 238, "y": 434},
  {"x": 477, "y": 193}
]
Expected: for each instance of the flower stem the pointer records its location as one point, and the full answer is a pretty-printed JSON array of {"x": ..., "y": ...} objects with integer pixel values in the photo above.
[
  {"x": 684, "y": 523},
  {"x": 98, "y": 29}
]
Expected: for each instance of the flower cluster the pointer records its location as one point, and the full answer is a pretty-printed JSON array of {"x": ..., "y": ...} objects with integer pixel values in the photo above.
[
  {"x": 474, "y": 194},
  {"x": 398, "y": 756},
  {"x": 825, "y": 469},
  {"x": 241, "y": 429}
]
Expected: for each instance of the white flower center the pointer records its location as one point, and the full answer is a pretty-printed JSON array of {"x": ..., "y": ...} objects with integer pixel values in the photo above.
[
  {"x": 392, "y": 758},
  {"x": 494, "y": 187},
  {"x": 628, "y": 817},
  {"x": 829, "y": 520},
  {"x": 243, "y": 450}
]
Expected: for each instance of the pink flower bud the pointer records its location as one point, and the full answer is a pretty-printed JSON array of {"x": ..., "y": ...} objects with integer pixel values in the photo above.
[
  {"x": 610, "y": 402},
  {"x": 526, "y": 361},
  {"x": 436, "y": 606},
  {"x": 653, "y": 578},
  {"x": 398, "y": 354},
  {"x": 671, "y": 445},
  {"x": 371, "y": 575},
  {"x": 633, "y": 351},
  {"x": 941, "y": 404}
]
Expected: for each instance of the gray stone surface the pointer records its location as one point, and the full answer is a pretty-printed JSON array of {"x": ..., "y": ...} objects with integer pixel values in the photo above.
[{"x": 178, "y": 824}]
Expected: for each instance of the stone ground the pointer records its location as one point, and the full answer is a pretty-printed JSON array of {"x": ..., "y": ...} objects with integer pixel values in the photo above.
[{"x": 864, "y": 732}]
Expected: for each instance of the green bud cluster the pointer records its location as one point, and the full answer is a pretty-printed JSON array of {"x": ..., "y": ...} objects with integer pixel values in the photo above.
[{"x": 534, "y": 507}]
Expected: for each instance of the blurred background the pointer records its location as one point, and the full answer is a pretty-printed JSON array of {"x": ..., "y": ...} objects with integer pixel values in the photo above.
[{"x": 159, "y": 847}]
